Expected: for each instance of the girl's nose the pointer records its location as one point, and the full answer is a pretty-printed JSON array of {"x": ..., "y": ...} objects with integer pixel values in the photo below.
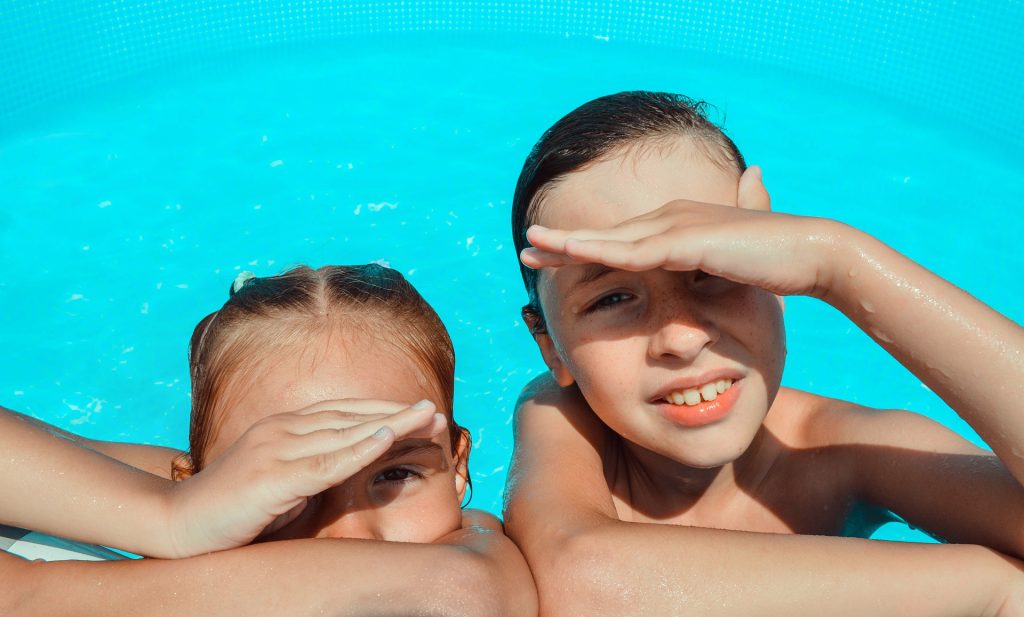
[{"x": 358, "y": 524}]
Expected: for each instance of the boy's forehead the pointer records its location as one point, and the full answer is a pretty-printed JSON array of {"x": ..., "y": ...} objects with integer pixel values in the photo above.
[{"x": 635, "y": 182}]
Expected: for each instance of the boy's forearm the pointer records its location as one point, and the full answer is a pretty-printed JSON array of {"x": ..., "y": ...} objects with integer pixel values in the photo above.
[
  {"x": 644, "y": 569},
  {"x": 302, "y": 577},
  {"x": 967, "y": 353}
]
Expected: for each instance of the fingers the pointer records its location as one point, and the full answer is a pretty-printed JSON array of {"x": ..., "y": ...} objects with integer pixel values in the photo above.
[
  {"x": 553, "y": 240},
  {"x": 752, "y": 193},
  {"x": 413, "y": 422},
  {"x": 536, "y": 258},
  {"x": 355, "y": 405},
  {"x": 646, "y": 254}
]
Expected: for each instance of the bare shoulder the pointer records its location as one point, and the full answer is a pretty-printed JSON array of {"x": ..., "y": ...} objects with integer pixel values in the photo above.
[
  {"x": 807, "y": 420},
  {"x": 545, "y": 406}
]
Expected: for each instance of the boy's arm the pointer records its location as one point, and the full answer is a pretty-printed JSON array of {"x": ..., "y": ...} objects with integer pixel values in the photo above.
[
  {"x": 559, "y": 511},
  {"x": 477, "y": 573},
  {"x": 933, "y": 478},
  {"x": 967, "y": 353}
]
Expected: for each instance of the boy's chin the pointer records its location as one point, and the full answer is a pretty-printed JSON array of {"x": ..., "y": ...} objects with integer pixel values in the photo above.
[{"x": 708, "y": 460}]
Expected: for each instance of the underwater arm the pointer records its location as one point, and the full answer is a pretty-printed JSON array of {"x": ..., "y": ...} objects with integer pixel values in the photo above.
[
  {"x": 561, "y": 515},
  {"x": 295, "y": 578}
]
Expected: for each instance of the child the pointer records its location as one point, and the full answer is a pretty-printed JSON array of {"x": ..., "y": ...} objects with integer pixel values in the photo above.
[
  {"x": 332, "y": 344},
  {"x": 662, "y": 437}
]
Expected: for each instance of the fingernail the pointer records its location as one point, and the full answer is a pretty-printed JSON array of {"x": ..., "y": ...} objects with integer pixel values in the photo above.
[
  {"x": 539, "y": 227},
  {"x": 759, "y": 171},
  {"x": 440, "y": 416},
  {"x": 424, "y": 404},
  {"x": 382, "y": 433}
]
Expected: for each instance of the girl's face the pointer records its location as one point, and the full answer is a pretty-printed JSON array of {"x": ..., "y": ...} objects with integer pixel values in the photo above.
[
  {"x": 638, "y": 343},
  {"x": 411, "y": 494}
]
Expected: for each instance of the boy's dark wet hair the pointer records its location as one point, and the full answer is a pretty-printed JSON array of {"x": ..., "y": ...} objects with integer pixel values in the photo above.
[{"x": 597, "y": 130}]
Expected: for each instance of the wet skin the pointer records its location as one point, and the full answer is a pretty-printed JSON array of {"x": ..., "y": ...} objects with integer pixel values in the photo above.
[{"x": 412, "y": 493}]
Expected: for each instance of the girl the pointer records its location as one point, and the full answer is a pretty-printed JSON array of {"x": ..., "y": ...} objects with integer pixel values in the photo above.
[
  {"x": 663, "y": 438},
  {"x": 383, "y": 479}
]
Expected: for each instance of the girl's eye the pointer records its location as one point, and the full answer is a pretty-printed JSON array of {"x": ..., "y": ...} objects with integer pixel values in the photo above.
[
  {"x": 609, "y": 301},
  {"x": 397, "y": 474}
]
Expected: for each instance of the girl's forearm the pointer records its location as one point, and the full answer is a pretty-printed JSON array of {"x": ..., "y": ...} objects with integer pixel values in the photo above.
[
  {"x": 54, "y": 484},
  {"x": 302, "y": 577},
  {"x": 967, "y": 353}
]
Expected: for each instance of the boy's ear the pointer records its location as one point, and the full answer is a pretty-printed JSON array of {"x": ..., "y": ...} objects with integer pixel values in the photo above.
[
  {"x": 553, "y": 359},
  {"x": 547, "y": 347},
  {"x": 462, "y": 464},
  {"x": 752, "y": 194}
]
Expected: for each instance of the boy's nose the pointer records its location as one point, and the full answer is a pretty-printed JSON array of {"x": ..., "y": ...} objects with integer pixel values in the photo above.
[{"x": 681, "y": 337}]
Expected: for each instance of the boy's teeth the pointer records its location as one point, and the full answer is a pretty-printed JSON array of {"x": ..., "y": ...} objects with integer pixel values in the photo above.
[{"x": 693, "y": 396}]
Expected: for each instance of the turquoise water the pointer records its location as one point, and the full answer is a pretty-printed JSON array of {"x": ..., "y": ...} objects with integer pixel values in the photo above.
[{"x": 125, "y": 215}]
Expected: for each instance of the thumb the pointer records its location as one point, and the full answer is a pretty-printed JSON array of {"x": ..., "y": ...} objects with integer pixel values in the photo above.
[
  {"x": 752, "y": 195},
  {"x": 286, "y": 518}
]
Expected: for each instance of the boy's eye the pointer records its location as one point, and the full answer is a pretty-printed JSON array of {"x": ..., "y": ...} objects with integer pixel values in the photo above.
[
  {"x": 609, "y": 301},
  {"x": 710, "y": 284},
  {"x": 397, "y": 474}
]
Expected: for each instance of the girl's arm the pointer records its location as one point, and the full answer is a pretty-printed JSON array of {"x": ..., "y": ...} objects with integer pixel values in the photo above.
[
  {"x": 476, "y": 572},
  {"x": 560, "y": 513},
  {"x": 156, "y": 460},
  {"x": 262, "y": 480}
]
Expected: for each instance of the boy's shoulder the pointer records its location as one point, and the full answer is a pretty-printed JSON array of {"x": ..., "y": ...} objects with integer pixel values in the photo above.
[{"x": 807, "y": 420}]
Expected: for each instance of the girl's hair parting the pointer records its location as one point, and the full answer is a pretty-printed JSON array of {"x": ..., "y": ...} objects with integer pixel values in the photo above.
[
  {"x": 265, "y": 314},
  {"x": 594, "y": 131}
]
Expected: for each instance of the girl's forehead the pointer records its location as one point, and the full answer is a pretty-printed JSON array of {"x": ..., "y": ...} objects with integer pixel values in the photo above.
[
  {"x": 635, "y": 182},
  {"x": 302, "y": 376}
]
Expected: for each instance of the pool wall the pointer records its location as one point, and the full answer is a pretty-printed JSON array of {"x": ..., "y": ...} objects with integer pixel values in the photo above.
[{"x": 961, "y": 60}]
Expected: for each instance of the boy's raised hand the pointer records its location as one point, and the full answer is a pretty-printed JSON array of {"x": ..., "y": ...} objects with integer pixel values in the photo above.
[
  {"x": 749, "y": 244},
  {"x": 263, "y": 481}
]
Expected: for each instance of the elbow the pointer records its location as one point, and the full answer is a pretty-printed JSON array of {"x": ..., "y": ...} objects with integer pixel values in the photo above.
[
  {"x": 24, "y": 594},
  {"x": 582, "y": 575},
  {"x": 497, "y": 584}
]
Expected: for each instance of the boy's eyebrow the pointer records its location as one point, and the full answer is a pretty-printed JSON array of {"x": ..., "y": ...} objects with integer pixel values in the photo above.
[
  {"x": 588, "y": 274},
  {"x": 411, "y": 446}
]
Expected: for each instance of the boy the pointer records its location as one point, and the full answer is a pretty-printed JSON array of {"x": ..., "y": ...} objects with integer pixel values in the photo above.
[{"x": 663, "y": 438}]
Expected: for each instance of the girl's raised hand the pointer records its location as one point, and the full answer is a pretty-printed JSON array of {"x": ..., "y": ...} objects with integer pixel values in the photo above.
[
  {"x": 785, "y": 254},
  {"x": 263, "y": 481}
]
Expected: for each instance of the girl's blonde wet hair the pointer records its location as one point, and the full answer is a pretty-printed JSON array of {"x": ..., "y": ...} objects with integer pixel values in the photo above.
[{"x": 266, "y": 314}]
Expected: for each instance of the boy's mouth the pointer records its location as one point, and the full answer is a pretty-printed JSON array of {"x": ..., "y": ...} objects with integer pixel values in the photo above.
[{"x": 695, "y": 396}]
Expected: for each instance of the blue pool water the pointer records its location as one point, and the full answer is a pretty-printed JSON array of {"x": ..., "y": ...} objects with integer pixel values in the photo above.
[{"x": 125, "y": 213}]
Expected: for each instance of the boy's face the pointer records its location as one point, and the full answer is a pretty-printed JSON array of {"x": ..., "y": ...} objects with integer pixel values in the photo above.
[
  {"x": 639, "y": 343},
  {"x": 410, "y": 494}
]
